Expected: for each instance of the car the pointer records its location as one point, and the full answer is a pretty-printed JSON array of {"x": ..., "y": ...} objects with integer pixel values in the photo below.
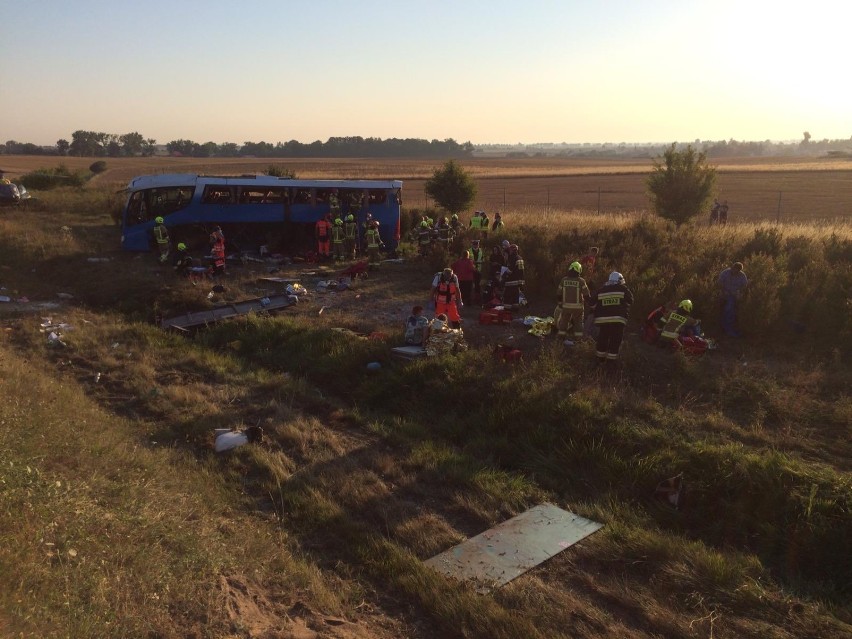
[{"x": 13, "y": 194}]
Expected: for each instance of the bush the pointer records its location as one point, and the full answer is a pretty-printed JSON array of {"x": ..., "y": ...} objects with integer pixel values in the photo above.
[
  {"x": 681, "y": 185},
  {"x": 98, "y": 167},
  {"x": 280, "y": 171},
  {"x": 46, "y": 179},
  {"x": 452, "y": 187}
]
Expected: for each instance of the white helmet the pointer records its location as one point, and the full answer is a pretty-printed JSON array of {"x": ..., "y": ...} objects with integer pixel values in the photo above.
[{"x": 615, "y": 278}]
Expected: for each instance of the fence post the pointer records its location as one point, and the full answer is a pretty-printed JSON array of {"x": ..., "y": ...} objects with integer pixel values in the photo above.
[{"x": 778, "y": 215}]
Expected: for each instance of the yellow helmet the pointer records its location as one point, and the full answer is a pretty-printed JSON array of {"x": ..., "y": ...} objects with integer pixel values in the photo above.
[
  {"x": 158, "y": 220},
  {"x": 576, "y": 266},
  {"x": 685, "y": 305},
  {"x": 181, "y": 246}
]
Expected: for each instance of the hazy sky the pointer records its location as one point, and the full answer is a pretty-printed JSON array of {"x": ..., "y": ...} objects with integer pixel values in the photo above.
[{"x": 485, "y": 71}]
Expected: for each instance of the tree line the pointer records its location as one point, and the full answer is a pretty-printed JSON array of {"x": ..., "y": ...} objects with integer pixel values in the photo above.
[{"x": 98, "y": 144}]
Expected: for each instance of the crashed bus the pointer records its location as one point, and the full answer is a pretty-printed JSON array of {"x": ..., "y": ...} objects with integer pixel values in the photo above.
[{"x": 253, "y": 210}]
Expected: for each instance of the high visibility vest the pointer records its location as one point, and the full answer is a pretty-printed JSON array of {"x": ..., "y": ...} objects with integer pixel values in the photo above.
[
  {"x": 161, "y": 234},
  {"x": 478, "y": 256},
  {"x": 337, "y": 234},
  {"x": 424, "y": 236},
  {"x": 572, "y": 292},
  {"x": 674, "y": 323},
  {"x": 446, "y": 293},
  {"x": 350, "y": 229},
  {"x": 372, "y": 238}
]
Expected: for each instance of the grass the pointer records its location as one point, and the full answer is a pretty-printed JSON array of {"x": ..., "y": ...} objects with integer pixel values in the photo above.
[{"x": 362, "y": 477}]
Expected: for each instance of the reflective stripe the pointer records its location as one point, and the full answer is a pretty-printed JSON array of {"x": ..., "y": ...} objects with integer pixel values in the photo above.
[{"x": 611, "y": 320}]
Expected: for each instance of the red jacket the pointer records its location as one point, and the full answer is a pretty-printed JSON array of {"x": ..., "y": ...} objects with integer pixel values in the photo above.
[{"x": 464, "y": 268}]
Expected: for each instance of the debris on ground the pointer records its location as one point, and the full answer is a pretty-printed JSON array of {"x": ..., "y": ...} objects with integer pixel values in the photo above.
[
  {"x": 227, "y": 439},
  {"x": 670, "y": 490},
  {"x": 508, "y": 550}
]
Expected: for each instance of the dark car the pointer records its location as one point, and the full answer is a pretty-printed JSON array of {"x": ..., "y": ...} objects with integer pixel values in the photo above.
[{"x": 13, "y": 194}]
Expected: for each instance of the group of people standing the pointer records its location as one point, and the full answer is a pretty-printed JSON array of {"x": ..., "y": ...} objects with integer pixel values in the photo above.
[
  {"x": 610, "y": 310},
  {"x": 338, "y": 237},
  {"x": 183, "y": 262},
  {"x": 719, "y": 213}
]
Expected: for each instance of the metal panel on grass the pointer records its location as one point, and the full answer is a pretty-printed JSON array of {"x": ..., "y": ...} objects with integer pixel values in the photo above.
[{"x": 498, "y": 555}]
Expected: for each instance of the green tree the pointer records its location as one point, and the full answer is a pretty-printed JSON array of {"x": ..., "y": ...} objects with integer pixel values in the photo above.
[
  {"x": 131, "y": 143},
  {"x": 451, "y": 187},
  {"x": 681, "y": 184},
  {"x": 62, "y": 146}
]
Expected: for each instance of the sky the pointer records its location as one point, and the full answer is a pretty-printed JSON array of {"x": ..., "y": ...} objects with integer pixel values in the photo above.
[{"x": 489, "y": 71}]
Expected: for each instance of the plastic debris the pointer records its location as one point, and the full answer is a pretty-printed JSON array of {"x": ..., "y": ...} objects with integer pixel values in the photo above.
[{"x": 228, "y": 439}]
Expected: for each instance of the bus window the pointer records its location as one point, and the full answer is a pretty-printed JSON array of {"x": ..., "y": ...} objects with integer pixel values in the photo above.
[
  {"x": 150, "y": 203},
  {"x": 217, "y": 194},
  {"x": 323, "y": 195},
  {"x": 262, "y": 195},
  {"x": 377, "y": 196},
  {"x": 302, "y": 196}
]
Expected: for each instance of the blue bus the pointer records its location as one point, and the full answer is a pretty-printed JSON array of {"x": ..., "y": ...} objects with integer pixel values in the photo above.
[{"x": 254, "y": 209}]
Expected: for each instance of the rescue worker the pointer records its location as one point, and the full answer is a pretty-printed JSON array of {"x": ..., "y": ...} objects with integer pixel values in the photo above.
[
  {"x": 513, "y": 280},
  {"x": 217, "y": 250},
  {"x": 374, "y": 242},
  {"x": 474, "y": 224},
  {"x": 455, "y": 225},
  {"x": 424, "y": 238},
  {"x": 612, "y": 308},
  {"x": 183, "y": 262},
  {"x": 571, "y": 294},
  {"x": 445, "y": 293},
  {"x": 478, "y": 257},
  {"x": 484, "y": 225},
  {"x": 337, "y": 237},
  {"x": 365, "y": 226},
  {"x": 322, "y": 231},
  {"x": 350, "y": 234},
  {"x": 444, "y": 234},
  {"x": 161, "y": 235},
  {"x": 589, "y": 260},
  {"x": 498, "y": 225},
  {"x": 679, "y": 323},
  {"x": 465, "y": 271}
]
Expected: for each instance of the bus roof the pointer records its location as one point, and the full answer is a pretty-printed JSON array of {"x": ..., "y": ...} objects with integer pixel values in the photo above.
[{"x": 186, "y": 179}]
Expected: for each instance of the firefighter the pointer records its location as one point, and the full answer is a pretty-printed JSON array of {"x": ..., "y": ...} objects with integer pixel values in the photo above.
[
  {"x": 322, "y": 231},
  {"x": 217, "y": 250},
  {"x": 365, "y": 226},
  {"x": 513, "y": 280},
  {"x": 161, "y": 234},
  {"x": 445, "y": 293},
  {"x": 424, "y": 238},
  {"x": 350, "y": 235},
  {"x": 455, "y": 225},
  {"x": 612, "y": 308},
  {"x": 444, "y": 234},
  {"x": 337, "y": 237},
  {"x": 183, "y": 262},
  {"x": 374, "y": 242},
  {"x": 571, "y": 294},
  {"x": 679, "y": 323}
]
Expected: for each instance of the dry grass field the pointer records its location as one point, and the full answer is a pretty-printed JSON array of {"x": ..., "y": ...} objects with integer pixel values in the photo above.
[
  {"x": 120, "y": 520},
  {"x": 757, "y": 189}
]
